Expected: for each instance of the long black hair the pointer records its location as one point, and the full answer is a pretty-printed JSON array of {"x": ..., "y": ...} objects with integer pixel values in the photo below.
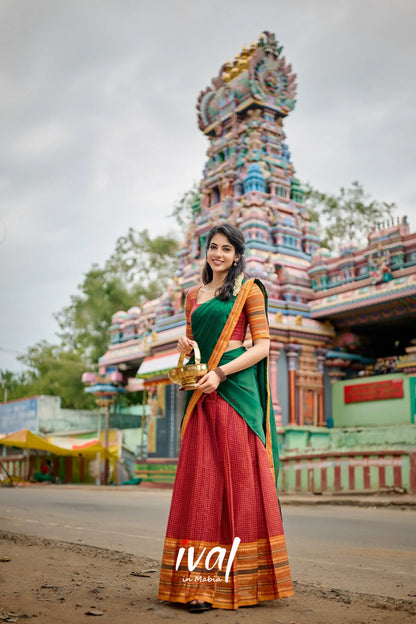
[{"x": 236, "y": 238}]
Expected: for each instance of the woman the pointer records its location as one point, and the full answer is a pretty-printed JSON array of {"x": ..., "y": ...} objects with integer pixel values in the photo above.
[{"x": 224, "y": 545}]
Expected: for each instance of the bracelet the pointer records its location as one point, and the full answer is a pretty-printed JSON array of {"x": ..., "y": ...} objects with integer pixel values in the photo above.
[{"x": 222, "y": 376}]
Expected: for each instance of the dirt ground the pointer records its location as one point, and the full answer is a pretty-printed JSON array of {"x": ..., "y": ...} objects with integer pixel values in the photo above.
[{"x": 51, "y": 582}]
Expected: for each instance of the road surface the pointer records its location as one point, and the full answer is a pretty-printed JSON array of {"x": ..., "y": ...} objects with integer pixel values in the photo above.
[{"x": 367, "y": 550}]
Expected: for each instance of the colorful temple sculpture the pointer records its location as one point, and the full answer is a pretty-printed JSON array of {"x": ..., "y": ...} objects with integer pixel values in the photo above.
[{"x": 331, "y": 319}]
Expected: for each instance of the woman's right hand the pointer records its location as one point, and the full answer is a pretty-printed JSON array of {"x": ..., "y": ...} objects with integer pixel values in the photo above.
[{"x": 184, "y": 345}]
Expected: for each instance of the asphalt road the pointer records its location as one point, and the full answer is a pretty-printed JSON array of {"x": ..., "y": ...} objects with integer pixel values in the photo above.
[{"x": 367, "y": 550}]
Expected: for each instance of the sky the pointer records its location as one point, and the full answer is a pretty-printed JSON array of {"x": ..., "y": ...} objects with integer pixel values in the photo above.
[{"x": 99, "y": 131}]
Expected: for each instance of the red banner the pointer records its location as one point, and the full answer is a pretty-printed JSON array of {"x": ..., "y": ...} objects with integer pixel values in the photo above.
[{"x": 376, "y": 391}]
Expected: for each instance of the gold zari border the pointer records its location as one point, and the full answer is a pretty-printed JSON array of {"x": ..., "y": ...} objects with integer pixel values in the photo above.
[{"x": 260, "y": 571}]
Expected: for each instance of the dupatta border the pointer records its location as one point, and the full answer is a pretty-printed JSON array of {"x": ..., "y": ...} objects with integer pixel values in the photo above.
[{"x": 220, "y": 346}]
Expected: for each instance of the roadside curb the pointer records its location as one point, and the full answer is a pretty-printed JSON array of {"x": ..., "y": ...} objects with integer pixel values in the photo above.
[{"x": 370, "y": 501}]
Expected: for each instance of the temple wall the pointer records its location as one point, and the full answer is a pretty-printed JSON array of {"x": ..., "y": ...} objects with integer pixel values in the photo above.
[
  {"x": 372, "y": 413},
  {"x": 328, "y": 398},
  {"x": 282, "y": 387},
  {"x": 349, "y": 459},
  {"x": 353, "y": 471},
  {"x": 298, "y": 440}
]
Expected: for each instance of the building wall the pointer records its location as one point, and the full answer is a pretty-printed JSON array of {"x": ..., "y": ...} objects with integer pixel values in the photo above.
[
  {"x": 412, "y": 391},
  {"x": 28, "y": 413},
  {"x": 180, "y": 410},
  {"x": 328, "y": 397},
  {"x": 282, "y": 386},
  {"x": 170, "y": 398},
  {"x": 67, "y": 420},
  {"x": 371, "y": 413},
  {"x": 298, "y": 440},
  {"x": 355, "y": 471},
  {"x": 166, "y": 441}
]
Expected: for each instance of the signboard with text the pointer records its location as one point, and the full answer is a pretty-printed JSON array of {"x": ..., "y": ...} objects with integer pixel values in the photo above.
[{"x": 375, "y": 391}]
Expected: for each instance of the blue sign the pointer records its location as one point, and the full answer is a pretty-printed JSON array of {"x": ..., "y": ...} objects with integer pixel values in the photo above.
[{"x": 21, "y": 414}]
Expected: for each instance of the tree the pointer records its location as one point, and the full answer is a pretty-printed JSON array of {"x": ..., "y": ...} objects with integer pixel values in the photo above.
[
  {"x": 51, "y": 370},
  {"x": 84, "y": 323},
  {"x": 15, "y": 385},
  {"x": 140, "y": 267},
  {"x": 183, "y": 208},
  {"x": 347, "y": 216},
  {"x": 146, "y": 264},
  {"x": 57, "y": 372}
]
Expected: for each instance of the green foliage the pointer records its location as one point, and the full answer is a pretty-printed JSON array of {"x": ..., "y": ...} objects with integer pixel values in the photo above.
[
  {"x": 146, "y": 264},
  {"x": 84, "y": 323},
  {"x": 347, "y": 216},
  {"x": 57, "y": 372},
  {"x": 15, "y": 385},
  {"x": 50, "y": 371},
  {"x": 183, "y": 208},
  {"x": 140, "y": 267}
]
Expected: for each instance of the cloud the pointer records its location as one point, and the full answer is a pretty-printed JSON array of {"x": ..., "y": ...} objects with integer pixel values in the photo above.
[{"x": 99, "y": 131}]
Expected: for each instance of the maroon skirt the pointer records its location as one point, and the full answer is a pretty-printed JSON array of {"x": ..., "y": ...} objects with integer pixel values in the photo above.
[{"x": 224, "y": 489}]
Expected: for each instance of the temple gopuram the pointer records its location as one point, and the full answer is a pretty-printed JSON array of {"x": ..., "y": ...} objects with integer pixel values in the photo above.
[{"x": 343, "y": 337}]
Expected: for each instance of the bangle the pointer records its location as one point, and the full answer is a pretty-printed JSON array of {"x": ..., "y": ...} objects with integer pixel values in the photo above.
[{"x": 222, "y": 376}]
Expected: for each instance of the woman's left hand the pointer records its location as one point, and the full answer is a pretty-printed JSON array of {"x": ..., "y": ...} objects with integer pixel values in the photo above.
[{"x": 209, "y": 382}]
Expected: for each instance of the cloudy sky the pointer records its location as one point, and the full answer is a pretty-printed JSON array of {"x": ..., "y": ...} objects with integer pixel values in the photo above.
[{"x": 98, "y": 124}]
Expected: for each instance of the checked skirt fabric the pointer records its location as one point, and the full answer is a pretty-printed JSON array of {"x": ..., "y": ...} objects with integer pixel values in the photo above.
[{"x": 224, "y": 488}]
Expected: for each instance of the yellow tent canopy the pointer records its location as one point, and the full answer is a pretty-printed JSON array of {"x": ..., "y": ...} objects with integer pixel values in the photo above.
[{"x": 26, "y": 439}]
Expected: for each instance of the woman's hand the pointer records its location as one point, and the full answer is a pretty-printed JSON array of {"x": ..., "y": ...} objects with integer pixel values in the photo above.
[
  {"x": 209, "y": 382},
  {"x": 184, "y": 345}
]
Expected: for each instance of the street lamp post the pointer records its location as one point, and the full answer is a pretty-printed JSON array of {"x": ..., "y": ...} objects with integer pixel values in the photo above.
[
  {"x": 106, "y": 404},
  {"x": 104, "y": 388}
]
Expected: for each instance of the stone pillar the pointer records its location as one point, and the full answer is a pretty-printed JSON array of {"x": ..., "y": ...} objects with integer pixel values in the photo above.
[
  {"x": 320, "y": 358},
  {"x": 292, "y": 352},
  {"x": 273, "y": 357}
]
